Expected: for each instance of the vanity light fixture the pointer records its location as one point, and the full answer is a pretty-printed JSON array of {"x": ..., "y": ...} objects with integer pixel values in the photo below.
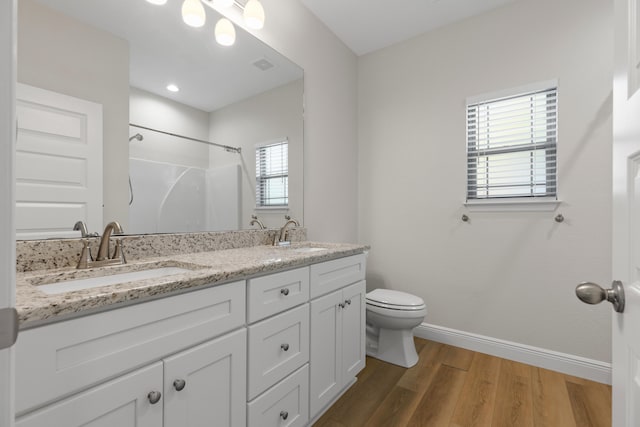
[
  {"x": 193, "y": 13},
  {"x": 254, "y": 14},
  {"x": 158, "y": 2},
  {"x": 173, "y": 88},
  {"x": 225, "y": 32}
]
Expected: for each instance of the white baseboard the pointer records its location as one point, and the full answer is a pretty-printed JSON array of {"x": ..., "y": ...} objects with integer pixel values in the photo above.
[{"x": 562, "y": 362}]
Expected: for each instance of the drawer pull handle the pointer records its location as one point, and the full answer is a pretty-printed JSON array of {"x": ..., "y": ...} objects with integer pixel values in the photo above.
[
  {"x": 284, "y": 291},
  {"x": 284, "y": 415},
  {"x": 341, "y": 305},
  {"x": 154, "y": 397},
  {"x": 347, "y": 302},
  {"x": 179, "y": 384},
  {"x": 285, "y": 347}
]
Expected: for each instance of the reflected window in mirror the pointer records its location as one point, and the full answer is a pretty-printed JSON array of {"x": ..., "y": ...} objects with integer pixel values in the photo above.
[{"x": 272, "y": 174}]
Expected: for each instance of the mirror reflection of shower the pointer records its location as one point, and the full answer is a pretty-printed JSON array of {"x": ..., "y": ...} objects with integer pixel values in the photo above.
[{"x": 139, "y": 137}]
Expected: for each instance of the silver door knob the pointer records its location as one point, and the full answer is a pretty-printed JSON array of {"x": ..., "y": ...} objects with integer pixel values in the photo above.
[
  {"x": 284, "y": 415},
  {"x": 179, "y": 384},
  {"x": 284, "y": 291},
  {"x": 285, "y": 347},
  {"x": 592, "y": 293},
  {"x": 154, "y": 397}
]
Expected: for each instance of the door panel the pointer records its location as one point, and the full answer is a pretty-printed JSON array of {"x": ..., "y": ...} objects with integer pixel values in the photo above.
[
  {"x": 626, "y": 214},
  {"x": 353, "y": 327}
]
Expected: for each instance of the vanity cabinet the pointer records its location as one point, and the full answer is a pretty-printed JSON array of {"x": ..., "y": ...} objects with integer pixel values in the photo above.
[
  {"x": 272, "y": 350},
  {"x": 70, "y": 366},
  {"x": 337, "y": 351},
  {"x": 202, "y": 383}
]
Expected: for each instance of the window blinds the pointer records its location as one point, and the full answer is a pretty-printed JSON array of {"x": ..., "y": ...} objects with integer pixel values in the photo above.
[
  {"x": 272, "y": 174},
  {"x": 511, "y": 146}
]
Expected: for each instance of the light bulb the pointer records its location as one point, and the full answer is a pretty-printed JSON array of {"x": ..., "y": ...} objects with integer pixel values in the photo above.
[
  {"x": 158, "y": 2},
  {"x": 173, "y": 88},
  {"x": 225, "y": 32},
  {"x": 223, "y": 3},
  {"x": 193, "y": 13},
  {"x": 254, "y": 14}
]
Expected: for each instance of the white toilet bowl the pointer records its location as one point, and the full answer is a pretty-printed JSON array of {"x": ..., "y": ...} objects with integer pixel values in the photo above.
[{"x": 391, "y": 317}]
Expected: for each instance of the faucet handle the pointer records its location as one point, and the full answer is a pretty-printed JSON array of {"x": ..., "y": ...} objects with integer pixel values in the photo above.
[
  {"x": 85, "y": 255},
  {"x": 118, "y": 253}
]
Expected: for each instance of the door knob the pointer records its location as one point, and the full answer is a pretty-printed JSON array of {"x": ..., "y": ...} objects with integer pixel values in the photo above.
[
  {"x": 179, "y": 384},
  {"x": 154, "y": 397},
  {"x": 592, "y": 293}
]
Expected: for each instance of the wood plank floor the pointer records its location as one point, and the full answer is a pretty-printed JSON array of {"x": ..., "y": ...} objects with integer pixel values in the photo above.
[{"x": 454, "y": 387}]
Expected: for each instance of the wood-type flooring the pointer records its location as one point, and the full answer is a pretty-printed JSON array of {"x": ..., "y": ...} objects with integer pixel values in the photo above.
[{"x": 454, "y": 387}]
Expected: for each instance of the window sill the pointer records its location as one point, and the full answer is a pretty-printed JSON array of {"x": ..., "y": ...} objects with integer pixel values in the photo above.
[{"x": 513, "y": 205}]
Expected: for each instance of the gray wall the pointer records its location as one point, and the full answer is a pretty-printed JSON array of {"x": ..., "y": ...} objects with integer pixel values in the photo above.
[
  {"x": 66, "y": 56},
  {"x": 504, "y": 275}
]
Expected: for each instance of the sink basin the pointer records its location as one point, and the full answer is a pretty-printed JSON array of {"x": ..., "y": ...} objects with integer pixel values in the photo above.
[
  {"x": 71, "y": 285},
  {"x": 308, "y": 249}
]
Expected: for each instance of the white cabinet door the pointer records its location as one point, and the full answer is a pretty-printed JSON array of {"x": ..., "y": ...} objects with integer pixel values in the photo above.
[
  {"x": 122, "y": 402},
  {"x": 326, "y": 350},
  {"x": 213, "y": 392},
  {"x": 353, "y": 327}
]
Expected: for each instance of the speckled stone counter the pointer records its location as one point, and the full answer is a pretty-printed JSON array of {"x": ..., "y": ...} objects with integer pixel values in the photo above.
[{"x": 206, "y": 268}]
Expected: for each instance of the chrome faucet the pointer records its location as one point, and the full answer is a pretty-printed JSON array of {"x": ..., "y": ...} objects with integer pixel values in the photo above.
[
  {"x": 255, "y": 220},
  {"x": 82, "y": 228},
  {"x": 103, "y": 250},
  {"x": 280, "y": 239}
]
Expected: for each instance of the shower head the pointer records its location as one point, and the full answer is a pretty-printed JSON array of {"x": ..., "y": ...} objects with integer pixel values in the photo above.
[{"x": 136, "y": 136}]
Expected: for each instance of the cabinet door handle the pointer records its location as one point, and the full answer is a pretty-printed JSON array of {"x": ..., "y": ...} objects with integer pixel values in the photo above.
[
  {"x": 179, "y": 384},
  {"x": 285, "y": 347},
  {"x": 347, "y": 302},
  {"x": 341, "y": 305},
  {"x": 284, "y": 415},
  {"x": 284, "y": 291},
  {"x": 154, "y": 397}
]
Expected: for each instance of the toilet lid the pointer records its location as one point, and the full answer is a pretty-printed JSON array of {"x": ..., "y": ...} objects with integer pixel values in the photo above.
[{"x": 394, "y": 299}]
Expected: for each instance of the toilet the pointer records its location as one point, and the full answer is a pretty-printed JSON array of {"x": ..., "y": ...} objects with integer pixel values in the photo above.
[{"x": 391, "y": 318}]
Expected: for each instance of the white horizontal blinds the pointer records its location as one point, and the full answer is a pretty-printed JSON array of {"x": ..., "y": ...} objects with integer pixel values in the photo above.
[
  {"x": 272, "y": 174},
  {"x": 511, "y": 149}
]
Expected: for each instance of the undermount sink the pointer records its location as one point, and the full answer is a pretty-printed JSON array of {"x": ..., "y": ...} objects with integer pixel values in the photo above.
[
  {"x": 308, "y": 249},
  {"x": 57, "y": 284}
]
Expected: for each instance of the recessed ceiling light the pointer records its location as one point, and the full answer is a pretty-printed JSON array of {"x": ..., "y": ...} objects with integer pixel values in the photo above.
[
  {"x": 159, "y": 2},
  {"x": 173, "y": 88}
]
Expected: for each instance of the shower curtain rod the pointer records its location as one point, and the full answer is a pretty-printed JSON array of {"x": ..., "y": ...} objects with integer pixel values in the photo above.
[{"x": 226, "y": 147}]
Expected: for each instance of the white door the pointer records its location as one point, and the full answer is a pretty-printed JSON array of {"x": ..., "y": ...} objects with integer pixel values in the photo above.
[
  {"x": 58, "y": 164},
  {"x": 353, "y": 327},
  {"x": 626, "y": 213},
  {"x": 7, "y": 243},
  {"x": 206, "y": 385},
  {"x": 123, "y": 402}
]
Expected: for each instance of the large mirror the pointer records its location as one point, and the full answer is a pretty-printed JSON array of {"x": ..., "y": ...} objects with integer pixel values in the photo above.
[{"x": 167, "y": 161}]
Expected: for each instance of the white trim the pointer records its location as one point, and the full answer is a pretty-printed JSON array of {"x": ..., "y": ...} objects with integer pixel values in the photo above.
[
  {"x": 513, "y": 205},
  {"x": 506, "y": 93},
  {"x": 582, "y": 367}
]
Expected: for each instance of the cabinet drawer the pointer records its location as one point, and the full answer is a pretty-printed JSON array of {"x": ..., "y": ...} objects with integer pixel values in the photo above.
[
  {"x": 331, "y": 275},
  {"x": 275, "y": 293},
  {"x": 289, "y": 399},
  {"x": 56, "y": 360},
  {"x": 277, "y": 347}
]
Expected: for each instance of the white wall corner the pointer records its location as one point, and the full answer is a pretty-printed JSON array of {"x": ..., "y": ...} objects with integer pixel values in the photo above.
[{"x": 582, "y": 367}]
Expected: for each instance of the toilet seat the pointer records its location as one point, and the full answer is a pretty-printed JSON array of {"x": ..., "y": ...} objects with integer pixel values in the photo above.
[{"x": 394, "y": 300}]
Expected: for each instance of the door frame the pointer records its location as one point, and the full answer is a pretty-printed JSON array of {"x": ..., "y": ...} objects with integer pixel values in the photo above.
[{"x": 8, "y": 49}]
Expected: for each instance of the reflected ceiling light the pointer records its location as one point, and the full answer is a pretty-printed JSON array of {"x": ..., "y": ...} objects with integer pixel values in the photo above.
[
  {"x": 158, "y": 2},
  {"x": 173, "y": 88},
  {"x": 193, "y": 13},
  {"x": 223, "y": 3},
  {"x": 254, "y": 14},
  {"x": 225, "y": 32}
]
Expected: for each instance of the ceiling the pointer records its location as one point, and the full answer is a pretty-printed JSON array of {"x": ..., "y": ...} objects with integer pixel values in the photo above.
[{"x": 368, "y": 25}]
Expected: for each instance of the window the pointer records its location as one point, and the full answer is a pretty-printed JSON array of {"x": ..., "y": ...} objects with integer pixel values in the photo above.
[
  {"x": 272, "y": 174},
  {"x": 511, "y": 145}
]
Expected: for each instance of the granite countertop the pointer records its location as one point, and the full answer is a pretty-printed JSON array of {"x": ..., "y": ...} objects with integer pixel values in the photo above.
[{"x": 206, "y": 268}]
